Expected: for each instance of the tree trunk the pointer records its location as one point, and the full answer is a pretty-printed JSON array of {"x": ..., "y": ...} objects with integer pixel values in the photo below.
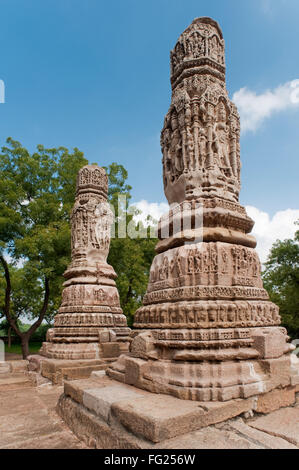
[
  {"x": 25, "y": 345},
  {"x": 9, "y": 337},
  {"x": 23, "y": 336}
]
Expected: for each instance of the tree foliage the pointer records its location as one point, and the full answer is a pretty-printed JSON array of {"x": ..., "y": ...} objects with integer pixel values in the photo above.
[{"x": 281, "y": 279}]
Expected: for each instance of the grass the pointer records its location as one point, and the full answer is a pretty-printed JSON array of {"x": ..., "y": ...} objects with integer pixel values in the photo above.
[{"x": 16, "y": 348}]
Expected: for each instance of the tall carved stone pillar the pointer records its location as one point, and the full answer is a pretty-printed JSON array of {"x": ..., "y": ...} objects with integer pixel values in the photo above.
[
  {"x": 206, "y": 330},
  {"x": 90, "y": 323}
]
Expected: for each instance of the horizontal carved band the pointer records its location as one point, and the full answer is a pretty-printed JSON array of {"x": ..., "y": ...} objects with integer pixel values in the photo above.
[
  {"x": 209, "y": 314},
  {"x": 205, "y": 292},
  {"x": 90, "y": 320}
]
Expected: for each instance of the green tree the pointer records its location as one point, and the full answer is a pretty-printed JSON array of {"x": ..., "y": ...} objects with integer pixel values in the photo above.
[
  {"x": 36, "y": 196},
  {"x": 281, "y": 279}
]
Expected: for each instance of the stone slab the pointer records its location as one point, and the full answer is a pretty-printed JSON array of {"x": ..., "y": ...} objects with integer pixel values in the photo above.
[
  {"x": 97, "y": 433},
  {"x": 275, "y": 399},
  {"x": 93, "y": 430},
  {"x": 210, "y": 438},
  {"x": 259, "y": 437},
  {"x": 154, "y": 417},
  {"x": 98, "y": 374},
  {"x": 19, "y": 366},
  {"x": 158, "y": 417},
  {"x": 107, "y": 414},
  {"x": 75, "y": 388},
  {"x": 282, "y": 423},
  {"x": 110, "y": 350},
  {"x": 4, "y": 367},
  {"x": 58, "y": 370},
  {"x": 99, "y": 400}
]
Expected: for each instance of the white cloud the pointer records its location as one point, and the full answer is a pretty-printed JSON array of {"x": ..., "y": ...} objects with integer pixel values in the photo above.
[
  {"x": 267, "y": 230},
  {"x": 154, "y": 209},
  {"x": 254, "y": 109}
]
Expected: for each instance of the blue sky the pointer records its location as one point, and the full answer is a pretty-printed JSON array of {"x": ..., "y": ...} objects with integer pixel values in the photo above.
[{"x": 95, "y": 75}]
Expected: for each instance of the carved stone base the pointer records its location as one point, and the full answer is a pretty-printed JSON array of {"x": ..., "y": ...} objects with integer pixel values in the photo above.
[
  {"x": 204, "y": 381},
  {"x": 207, "y": 365}
]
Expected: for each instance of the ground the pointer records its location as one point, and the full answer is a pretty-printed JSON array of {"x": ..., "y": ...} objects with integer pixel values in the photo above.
[{"x": 28, "y": 419}]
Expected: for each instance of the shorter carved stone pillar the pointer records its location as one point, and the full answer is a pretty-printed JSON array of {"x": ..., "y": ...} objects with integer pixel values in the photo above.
[{"x": 90, "y": 323}]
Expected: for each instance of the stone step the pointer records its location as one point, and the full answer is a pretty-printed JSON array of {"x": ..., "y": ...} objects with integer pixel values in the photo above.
[
  {"x": 4, "y": 368},
  {"x": 108, "y": 413},
  {"x": 152, "y": 416},
  {"x": 58, "y": 370},
  {"x": 14, "y": 381}
]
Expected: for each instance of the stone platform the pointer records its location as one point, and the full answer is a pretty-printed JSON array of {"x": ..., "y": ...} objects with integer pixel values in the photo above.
[
  {"x": 58, "y": 370},
  {"x": 109, "y": 415}
]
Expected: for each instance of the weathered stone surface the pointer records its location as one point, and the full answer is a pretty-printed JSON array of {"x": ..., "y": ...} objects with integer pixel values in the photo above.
[
  {"x": 117, "y": 434},
  {"x": 75, "y": 388},
  {"x": 98, "y": 374},
  {"x": 4, "y": 367},
  {"x": 110, "y": 349},
  {"x": 90, "y": 313},
  {"x": 260, "y": 438},
  {"x": 282, "y": 423},
  {"x": 211, "y": 438},
  {"x": 99, "y": 400},
  {"x": 207, "y": 330},
  {"x": 19, "y": 366},
  {"x": 157, "y": 417},
  {"x": 275, "y": 399},
  {"x": 151, "y": 416},
  {"x": 93, "y": 430},
  {"x": 37, "y": 379},
  {"x": 58, "y": 370}
]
